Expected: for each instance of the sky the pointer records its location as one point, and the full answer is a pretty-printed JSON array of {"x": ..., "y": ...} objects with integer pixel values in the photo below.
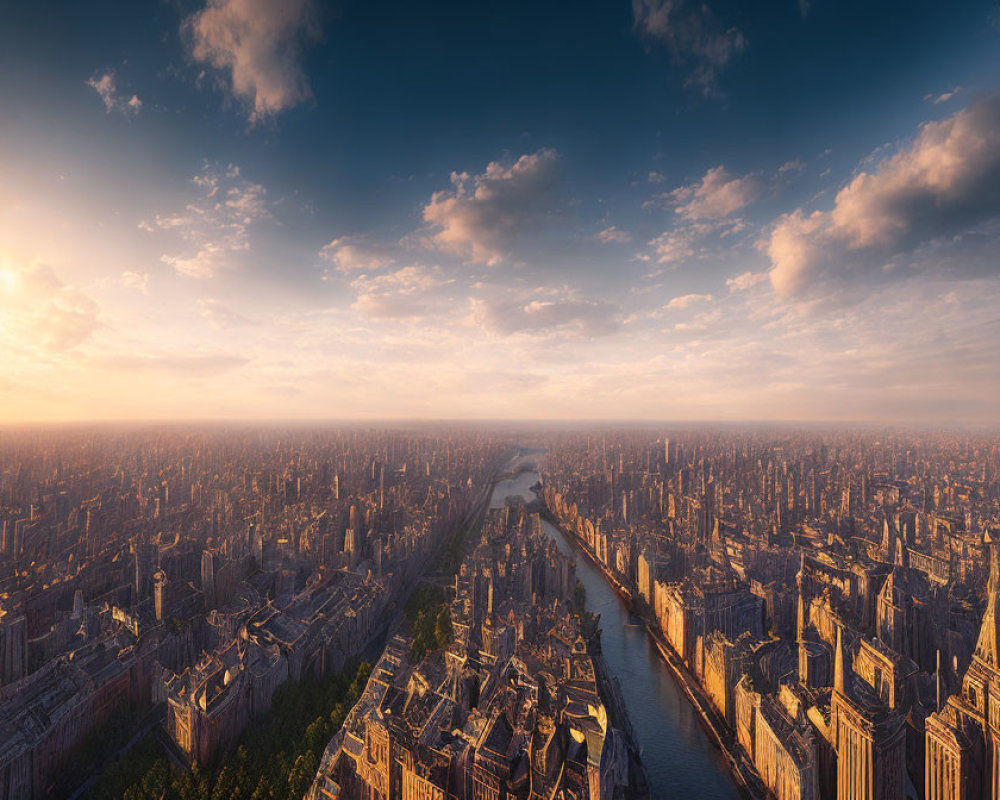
[{"x": 623, "y": 210}]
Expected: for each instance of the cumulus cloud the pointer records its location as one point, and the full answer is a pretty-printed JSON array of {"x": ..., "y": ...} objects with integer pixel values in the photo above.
[
  {"x": 694, "y": 37},
  {"x": 717, "y": 195},
  {"x": 507, "y": 316},
  {"x": 401, "y": 294},
  {"x": 259, "y": 45},
  {"x": 941, "y": 185},
  {"x": 107, "y": 90},
  {"x": 613, "y": 235},
  {"x": 40, "y": 311},
  {"x": 481, "y": 217},
  {"x": 688, "y": 300},
  {"x": 215, "y": 226},
  {"x": 356, "y": 254}
]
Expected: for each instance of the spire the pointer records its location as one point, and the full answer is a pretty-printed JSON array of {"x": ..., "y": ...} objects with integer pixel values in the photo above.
[
  {"x": 839, "y": 676},
  {"x": 988, "y": 644}
]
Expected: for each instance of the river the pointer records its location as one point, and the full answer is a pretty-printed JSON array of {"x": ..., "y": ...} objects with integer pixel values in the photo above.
[{"x": 680, "y": 761}]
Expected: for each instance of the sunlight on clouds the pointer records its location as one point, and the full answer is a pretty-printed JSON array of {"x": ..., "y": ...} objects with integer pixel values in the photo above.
[
  {"x": 215, "y": 225},
  {"x": 356, "y": 254},
  {"x": 504, "y": 320},
  {"x": 107, "y": 90},
  {"x": 718, "y": 194},
  {"x": 483, "y": 215},
  {"x": 40, "y": 311},
  {"x": 942, "y": 184},
  {"x": 405, "y": 293},
  {"x": 259, "y": 44},
  {"x": 688, "y": 300}
]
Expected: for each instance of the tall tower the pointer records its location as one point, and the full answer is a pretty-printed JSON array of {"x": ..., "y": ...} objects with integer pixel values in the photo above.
[
  {"x": 963, "y": 738},
  {"x": 159, "y": 592},
  {"x": 351, "y": 547},
  {"x": 208, "y": 579},
  {"x": 981, "y": 687}
]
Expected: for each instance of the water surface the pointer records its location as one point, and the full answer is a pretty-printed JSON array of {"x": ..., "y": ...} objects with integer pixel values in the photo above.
[{"x": 679, "y": 759}]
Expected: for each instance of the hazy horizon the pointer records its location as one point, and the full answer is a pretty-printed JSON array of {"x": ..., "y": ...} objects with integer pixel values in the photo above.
[{"x": 540, "y": 423}]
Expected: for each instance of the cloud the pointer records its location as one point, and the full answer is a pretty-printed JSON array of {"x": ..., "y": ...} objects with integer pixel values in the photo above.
[
  {"x": 106, "y": 89},
  {"x": 676, "y": 245},
  {"x": 259, "y": 44},
  {"x": 215, "y": 225},
  {"x": 506, "y": 316},
  {"x": 745, "y": 281},
  {"x": 692, "y": 239},
  {"x": 717, "y": 195},
  {"x": 946, "y": 182},
  {"x": 136, "y": 280},
  {"x": 701, "y": 322},
  {"x": 401, "y": 294},
  {"x": 38, "y": 310},
  {"x": 356, "y": 254},
  {"x": 483, "y": 215},
  {"x": 944, "y": 97},
  {"x": 693, "y": 36},
  {"x": 688, "y": 300},
  {"x": 613, "y": 235}
]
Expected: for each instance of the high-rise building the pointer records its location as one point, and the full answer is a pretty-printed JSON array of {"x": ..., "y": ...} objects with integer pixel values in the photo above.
[
  {"x": 963, "y": 738},
  {"x": 13, "y": 647},
  {"x": 208, "y": 578},
  {"x": 870, "y": 739},
  {"x": 159, "y": 593}
]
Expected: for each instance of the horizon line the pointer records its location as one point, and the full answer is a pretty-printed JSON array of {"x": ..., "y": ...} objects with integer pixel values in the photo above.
[{"x": 487, "y": 421}]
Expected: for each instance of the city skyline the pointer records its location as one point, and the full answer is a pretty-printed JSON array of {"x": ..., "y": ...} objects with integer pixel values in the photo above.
[
  {"x": 639, "y": 211},
  {"x": 459, "y": 612}
]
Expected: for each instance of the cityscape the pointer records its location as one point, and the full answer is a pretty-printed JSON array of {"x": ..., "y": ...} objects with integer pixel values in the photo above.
[
  {"x": 499, "y": 400},
  {"x": 429, "y": 612}
]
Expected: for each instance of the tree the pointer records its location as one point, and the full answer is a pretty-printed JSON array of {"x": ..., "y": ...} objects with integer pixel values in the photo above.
[
  {"x": 276, "y": 757},
  {"x": 442, "y": 628}
]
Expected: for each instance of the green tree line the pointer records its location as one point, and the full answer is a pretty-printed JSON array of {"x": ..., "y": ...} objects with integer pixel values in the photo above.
[
  {"x": 428, "y": 613},
  {"x": 276, "y": 758}
]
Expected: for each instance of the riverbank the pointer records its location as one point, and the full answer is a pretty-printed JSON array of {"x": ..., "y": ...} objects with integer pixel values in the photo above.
[
  {"x": 609, "y": 689},
  {"x": 608, "y": 685},
  {"x": 741, "y": 771}
]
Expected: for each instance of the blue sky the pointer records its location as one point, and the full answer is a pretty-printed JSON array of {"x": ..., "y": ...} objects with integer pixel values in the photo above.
[{"x": 647, "y": 210}]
